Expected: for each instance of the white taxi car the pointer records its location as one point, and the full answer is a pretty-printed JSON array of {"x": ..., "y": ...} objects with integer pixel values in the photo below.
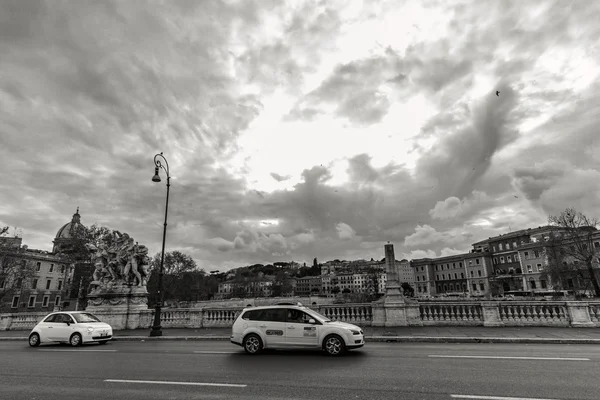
[
  {"x": 71, "y": 327},
  {"x": 293, "y": 327}
]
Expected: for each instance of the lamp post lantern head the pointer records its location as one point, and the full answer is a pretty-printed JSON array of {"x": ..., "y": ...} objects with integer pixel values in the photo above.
[{"x": 156, "y": 177}]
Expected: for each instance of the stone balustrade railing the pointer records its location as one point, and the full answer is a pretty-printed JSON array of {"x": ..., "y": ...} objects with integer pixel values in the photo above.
[
  {"x": 360, "y": 314},
  {"x": 439, "y": 314},
  {"x": 423, "y": 313}
]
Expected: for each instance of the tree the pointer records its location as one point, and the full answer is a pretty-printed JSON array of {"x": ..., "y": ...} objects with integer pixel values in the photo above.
[
  {"x": 335, "y": 290},
  {"x": 181, "y": 277},
  {"x": 408, "y": 290},
  {"x": 571, "y": 251},
  {"x": 346, "y": 290},
  {"x": 15, "y": 270}
]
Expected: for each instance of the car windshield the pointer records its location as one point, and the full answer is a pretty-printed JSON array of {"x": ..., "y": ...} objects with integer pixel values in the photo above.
[
  {"x": 321, "y": 317},
  {"x": 84, "y": 318}
]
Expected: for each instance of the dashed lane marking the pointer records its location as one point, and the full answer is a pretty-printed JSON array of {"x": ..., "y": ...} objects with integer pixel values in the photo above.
[
  {"x": 176, "y": 383},
  {"x": 514, "y": 358}
]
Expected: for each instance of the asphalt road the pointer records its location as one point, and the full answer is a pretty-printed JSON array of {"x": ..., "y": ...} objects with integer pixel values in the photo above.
[{"x": 219, "y": 370}]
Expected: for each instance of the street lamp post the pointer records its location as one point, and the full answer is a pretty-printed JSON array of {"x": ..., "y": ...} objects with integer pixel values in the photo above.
[{"x": 156, "y": 328}]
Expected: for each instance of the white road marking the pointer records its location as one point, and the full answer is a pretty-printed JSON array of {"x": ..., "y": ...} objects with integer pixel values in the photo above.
[
  {"x": 177, "y": 383},
  {"x": 514, "y": 358},
  {"x": 216, "y": 352},
  {"x": 467, "y": 396},
  {"x": 76, "y": 351}
]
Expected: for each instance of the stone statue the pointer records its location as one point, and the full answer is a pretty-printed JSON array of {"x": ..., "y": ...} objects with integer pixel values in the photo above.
[{"x": 120, "y": 262}]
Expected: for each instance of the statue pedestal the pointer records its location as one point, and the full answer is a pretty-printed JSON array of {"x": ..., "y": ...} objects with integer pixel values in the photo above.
[{"x": 132, "y": 298}]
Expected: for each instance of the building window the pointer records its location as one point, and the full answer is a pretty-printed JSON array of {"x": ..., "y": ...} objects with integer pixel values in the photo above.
[
  {"x": 500, "y": 246},
  {"x": 60, "y": 285},
  {"x": 540, "y": 267},
  {"x": 508, "y": 259},
  {"x": 51, "y": 268},
  {"x": 526, "y": 254},
  {"x": 452, "y": 287},
  {"x": 15, "y": 302},
  {"x": 482, "y": 286},
  {"x": 462, "y": 275},
  {"x": 45, "y": 301},
  {"x": 514, "y": 245},
  {"x": 472, "y": 273},
  {"x": 48, "y": 282},
  {"x": 460, "y": 264},
  {"x": 502, "y": 260},
  {"x": 529, "y": 268},
  {"x": 31, "y": 302},
  {"x": 536, "y": 253},
  {"x": 1, "y": 283},
  {"x": 494, "y": 247},
  {"x": 597, "y": 245},
  {"x": 455, "y": 275},
  {"x": 474, "y": 287},
  {"x": 543, "y": 284},
  {"x": 453, "y": 265},
  {"x": 443, "y": 276},
  {"x": 19, "y": 283},
  {"x": 62, "y": 269},
  {"x": 34, "y": 284},
  {"x": 38, "y": 266},
  {"x": 570, "y": 283},
  {"x": 478, "y": 272},
  {"x": 532, "y": 284},
  {"x": 477, "y": 261},
  {"x": 436, "y": 267},
  {"x": 57, "y": 301}
]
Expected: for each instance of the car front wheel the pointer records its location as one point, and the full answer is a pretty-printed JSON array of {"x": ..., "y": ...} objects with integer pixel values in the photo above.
[
  {"x": 34, "y": 340},
  {"x": 334, "y": 345},
  {"x": 252, "y": 344},
  {"x": 75, "y": 340}
]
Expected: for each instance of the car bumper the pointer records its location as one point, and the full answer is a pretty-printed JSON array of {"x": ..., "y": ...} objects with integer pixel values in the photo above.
[
  {"x": 233, "y": 340},
  {"x": 355, "y": 341}
]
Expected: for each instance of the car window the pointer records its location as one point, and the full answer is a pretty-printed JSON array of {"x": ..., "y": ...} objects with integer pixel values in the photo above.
[
  {"x": 297, "y": 316},
  {"x": 64, "y": 318},
  {"x": 253, "y": 315},
  {"x": 85, "y": 318},
  {"x": 51, "y": 318},
  {"x": 274, "y": 315}
]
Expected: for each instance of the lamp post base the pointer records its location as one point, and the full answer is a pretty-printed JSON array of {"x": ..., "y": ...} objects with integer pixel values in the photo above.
[{"x": 156, "y": 332}]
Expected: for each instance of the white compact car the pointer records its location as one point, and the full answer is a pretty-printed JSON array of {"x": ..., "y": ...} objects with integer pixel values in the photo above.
[
  {"x": 293, "y": 327},
  {"x": 74, "y": 328}
]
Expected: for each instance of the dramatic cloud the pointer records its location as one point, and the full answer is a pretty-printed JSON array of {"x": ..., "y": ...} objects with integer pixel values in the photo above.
[{"x": 380, "y": 119}]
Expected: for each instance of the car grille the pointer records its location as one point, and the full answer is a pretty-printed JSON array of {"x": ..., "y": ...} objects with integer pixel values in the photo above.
[{"x": 102, "y": 337}]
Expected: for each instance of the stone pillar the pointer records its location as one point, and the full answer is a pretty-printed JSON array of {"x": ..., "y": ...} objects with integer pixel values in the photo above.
[
  {"x": 378, "y": 310},
  {"x": 579, "y": 314},
  {"x": 5, "y": 322},
  {"x": 491, "y": 314},
  {"x": 392, "y": 286},
  {"x": 413, "y": 315}
]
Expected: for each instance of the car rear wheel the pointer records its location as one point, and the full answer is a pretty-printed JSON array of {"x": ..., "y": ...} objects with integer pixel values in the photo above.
[
  {"x": 34, "y": 340},
  {"x": 252, "y": 344},
  {"x": 334, "y": 345},
  {"x": 75, "y": 340}
]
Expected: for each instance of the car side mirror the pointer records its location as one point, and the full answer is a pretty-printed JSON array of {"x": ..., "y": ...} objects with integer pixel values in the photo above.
[
  {"x": 68, "y": 323},
  {"x": 312, "y": 321}
]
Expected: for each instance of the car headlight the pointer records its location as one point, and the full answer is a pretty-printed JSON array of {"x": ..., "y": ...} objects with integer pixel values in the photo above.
[
  {"x": 355, "y": 332},
  {"x": 90, "y": 329}
]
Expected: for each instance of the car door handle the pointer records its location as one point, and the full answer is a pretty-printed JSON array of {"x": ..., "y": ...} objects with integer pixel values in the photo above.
[
  {"x": 262, "y": 326},
  {"x": 49, "y": 327},
  {"x": 291, "y": 327}
]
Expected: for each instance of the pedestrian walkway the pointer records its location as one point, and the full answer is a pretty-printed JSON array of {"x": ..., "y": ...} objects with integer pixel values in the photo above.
[{"x": 378, "y": 334}]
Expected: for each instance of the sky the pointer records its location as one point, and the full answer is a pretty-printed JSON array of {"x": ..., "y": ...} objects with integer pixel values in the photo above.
[{"x": 298, "y": 129}]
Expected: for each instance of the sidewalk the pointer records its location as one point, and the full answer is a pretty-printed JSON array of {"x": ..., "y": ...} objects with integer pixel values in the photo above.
[{"x": 400, "y": 334}]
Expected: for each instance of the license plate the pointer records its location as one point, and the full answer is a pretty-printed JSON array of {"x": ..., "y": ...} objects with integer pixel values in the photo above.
[{"x": 103, "y": 334}]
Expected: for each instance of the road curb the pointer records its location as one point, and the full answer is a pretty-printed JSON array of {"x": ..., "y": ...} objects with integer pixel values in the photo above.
[{"x": 373, "y": 339}]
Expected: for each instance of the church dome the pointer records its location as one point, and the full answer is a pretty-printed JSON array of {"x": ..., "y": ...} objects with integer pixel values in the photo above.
[{"x": 67, "y": 231}]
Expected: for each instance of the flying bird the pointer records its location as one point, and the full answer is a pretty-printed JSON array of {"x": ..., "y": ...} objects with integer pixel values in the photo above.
[{"x": 497, "y": 93}]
